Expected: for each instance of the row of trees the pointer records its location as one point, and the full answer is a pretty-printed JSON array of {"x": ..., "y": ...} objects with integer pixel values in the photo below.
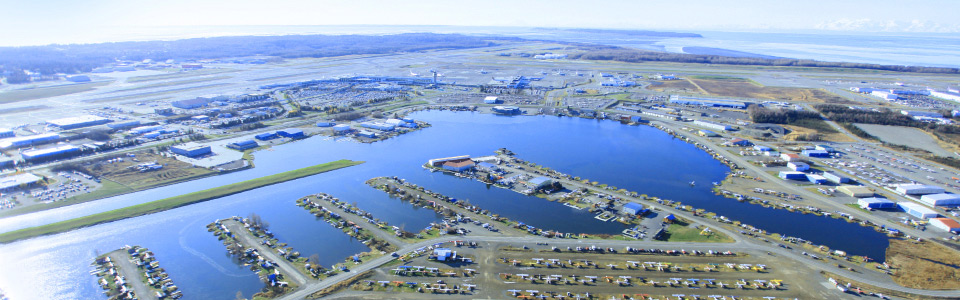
[
  {"x": 633, "y": 55},
  {"x": 780, "y": 116}
]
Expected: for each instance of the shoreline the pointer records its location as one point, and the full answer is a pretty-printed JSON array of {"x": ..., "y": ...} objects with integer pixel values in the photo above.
[{"x": 172, "y": 202}]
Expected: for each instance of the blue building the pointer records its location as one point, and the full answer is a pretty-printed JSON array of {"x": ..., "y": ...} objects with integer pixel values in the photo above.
[
  {"x": 190, "y": 103},
  {"x": 633, "y": 208},
  {"x": 191, "y": 149},
  {"x": 367, "y": 134},
  {"x": 835, "y": 178},
  {"x": 382, "y": 126},
  {"x": 50, "y": 153},
  {"x": 266, "y": 136},
  {"x": 243, "y": 145},
  {"x": 293, "y": 133},
  {"x": 815, "y": 153},
  {"x": 487, "y": 166},
  {"x": 876, "y": 203},
  {"x": 443, "y": 254},
  {"x": 540, "y": 182},
  {"x": 793, "y": 175},
  {"x": 506, "y": 110},
  {"x": 325, "y": 124}
]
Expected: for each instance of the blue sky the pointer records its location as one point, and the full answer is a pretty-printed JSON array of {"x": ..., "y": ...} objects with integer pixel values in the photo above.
[{"x": 28, "y": 22}]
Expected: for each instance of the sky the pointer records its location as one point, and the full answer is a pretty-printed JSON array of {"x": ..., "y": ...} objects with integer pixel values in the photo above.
[{"x": 35, "y": 22}]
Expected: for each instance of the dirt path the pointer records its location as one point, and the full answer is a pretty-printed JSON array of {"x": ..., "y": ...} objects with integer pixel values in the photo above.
[
  {"x": 248, "y": 240},
  {"x": 131, "y": 274}
]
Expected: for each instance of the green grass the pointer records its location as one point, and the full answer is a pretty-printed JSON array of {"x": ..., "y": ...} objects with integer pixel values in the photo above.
[
  {"x": 51, "y": 91},
  {"x": 680, "y": 233},
  {"x": 172, "y": 202},
  {"x": 109, "y": 189},
  {"x": 857, "y": 207},
  {"x": 401, "y": 105}
]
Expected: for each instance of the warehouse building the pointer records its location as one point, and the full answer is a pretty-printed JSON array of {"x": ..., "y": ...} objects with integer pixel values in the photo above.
[
  {"x": 266, "y": 136},
  {"x": 458, "y": 165},
  {"x": 378, "y": 126},
  {"x": 191, "y": 103},
  {"x": 762, "y": 148},
  {"x": 436, "y": 162},
  {"x": 61, "y": 151},
  {"x": 491, "y": 100},
  {"x": 633, "y": 209},
  {"x": 19, "y": 180},
  {"x": 789, "y": 157},
  {"x": 293, "y": 133},
  {"x": 712, "y": 102},
  {"x": 835, "y": 178},
  {"x": 325, "y": 123},
  {"x": 367, "y": 134},
  {"x": 341, "y": 129},
  {"x": 78, "y": 122},
  {"x": 740, "y": 142},
  {"x": 825, "y": 148},
  {"x": 817, "y": 179},
  {"x": 793, "y": 175},
  {"x": 876, "y": 203},
  {"x": 917, "y": 210},
  {"x": 919, "y": 189},
  {"x": 124, "y": 124},
  {"x": 941, "y": 199},
  {"x": 707, "y": 133},
  {"x": 6, "y": 161},
  {"x": 28, "y": 140},
  {"x": 540, "y": 182},
  {"x": 711, "y": 125},
  {"x": 6, "y": 133},
  {"x": 243, "y": 145},
  {"x": 798, "y": 166},
  {"x": 815, "y": 153},
  {"x": 191, "y": 149},
  {"x": 855, "y": 191},
  {"x": 945, "y": 224},
  {"x": 144, "y": 129},
  {"x": 506, "y": 110}
]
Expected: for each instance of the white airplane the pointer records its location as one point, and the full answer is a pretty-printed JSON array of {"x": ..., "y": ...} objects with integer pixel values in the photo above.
[{"x": 414, "y": 74}]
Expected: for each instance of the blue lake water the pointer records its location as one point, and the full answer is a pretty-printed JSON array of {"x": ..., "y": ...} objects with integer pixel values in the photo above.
[{"x": 638, "y": 158}]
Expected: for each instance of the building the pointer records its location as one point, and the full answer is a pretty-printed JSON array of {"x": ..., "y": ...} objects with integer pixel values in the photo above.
[
  {"x": 707, "y": 133},
  {"x": 19, "y": 180},
  {"x": 78, "y": 122},
  {"x": 815, "y": 153},
  {"x": 436, "y": 162},
  {"x": 6, "y": 162},
  {"x": 144, "y": 129},
  {"x": 885, "y": 95},
  {"x": 855, "y": 191},
  {"x": 266, "y": 136},
  {"x": 540, "y": 182},
  {"x": 711, "y": 102},
  {"x": 124, "y": 124},
  {"x": 945, "y": 224},
  {"x": 325, "y": 123},
  {"x": 633, "y": 208},
  {"x": 341, "y": 128},
  {"x": 761, "y": 148},
  {"x": 817, "y": 179},
  {"x": 243, "y": 145},
  {"x": 740, "y": 142},
  {"x": 488, "y": 167},
  {"x": 443, "y": 254},
  {"x": 6, "y": 133},
  {"x": 382, "y": 126},
  {"x": 200, "y": 118},
  {"x": 919, "y": 189},
  {"x": 367, "y": 134},
  {"x": 22, "y": 141},
  {"x": 61, "y": 151},
  {"x": 789, "y": 157},
  {"x": 941, "y": 199},
  {"x": 191, "y": 149},
  {"x": 293, "y": 133},
  {"x": 191, "y": 103},
  {"x": 915, "y": 113},
  {"x": 948, "y": 95},
  {"x": 793, "y": 175},
  {"x": 459, "y": 165},
  {"x": 835, "y": 178},
  {"x": 491, "y": 100},
  {"x": 711, "y": 125},
  {"x": 798, "y": 166},
  {"x": 917, "y": 210},
  {"x": 506, "y": 110},
  {"x": 824, "y": 148},
  {"x": 876, "y": 203}
]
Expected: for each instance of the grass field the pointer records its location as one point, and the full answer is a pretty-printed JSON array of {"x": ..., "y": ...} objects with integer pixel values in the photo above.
[
  {"x": 402, "y": 105},
  {"x": 924, "y": 265},
  {"x": 683, "y": 232},
  {"x": 178, "y": 75},
  {"x": 172, "y": 202},
  {"x": 172, "y": 83},
  {"x": 44, "y": 92},
  {"x": 744, "y": 88},
  {"x": 157, "y": 93}
]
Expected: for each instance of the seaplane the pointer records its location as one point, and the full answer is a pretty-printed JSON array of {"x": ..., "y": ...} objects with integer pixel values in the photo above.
[
  {"x": 679, "y": 296},
  {"x": 482, "y": 71},
  {"x": 538, "y": 260},
  {"x": 759, "y": 283},
  {"x": 414, "y": 74},
  {"x": 612, "y": 266},
  {"x": 715, "y": 297},
  {"x": 777, "y": 282},
  {"x": 693, "y": 183},
  {"x": 470, "y": 286},
  {"x": 514, "y": 292},
  {"x": 740, "y": 285}
]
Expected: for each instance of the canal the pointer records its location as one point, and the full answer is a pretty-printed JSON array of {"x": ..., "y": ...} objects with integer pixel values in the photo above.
[{"x": 638, "y": 158}]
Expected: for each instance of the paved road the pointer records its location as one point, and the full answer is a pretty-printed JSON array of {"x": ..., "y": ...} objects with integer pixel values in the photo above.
[
  {"x": 131, "y": 274},
  {"x": 247, "y": 239}
]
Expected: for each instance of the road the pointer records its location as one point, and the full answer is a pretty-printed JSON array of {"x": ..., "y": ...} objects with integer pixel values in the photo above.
[
  {"x": 131, "y": 274},
  {"x": 248, "y": 240}
]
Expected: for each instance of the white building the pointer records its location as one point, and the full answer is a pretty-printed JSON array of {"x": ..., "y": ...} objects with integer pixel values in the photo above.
[
  {"x": 918, "y": 189},
  {"x": 917, "y": 210},
  {"x": 712, "y": 125},
  {"x": 941, "y": 199},
  {"x": 945, "y": 224},
  {"x": 948, "y": 95},
  {"x": 885, "y": 95},
  {"x": 798, "y": 166}
]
